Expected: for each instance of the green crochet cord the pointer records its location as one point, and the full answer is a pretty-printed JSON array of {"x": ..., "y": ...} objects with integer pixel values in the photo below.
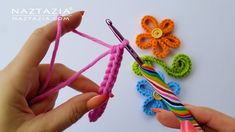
[{"x": 181, "y": 66}]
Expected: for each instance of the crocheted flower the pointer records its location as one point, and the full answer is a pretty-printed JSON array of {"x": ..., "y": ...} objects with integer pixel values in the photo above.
[
  {"x": 153, "y": 99},
  {"x": 158, "y": 36}
]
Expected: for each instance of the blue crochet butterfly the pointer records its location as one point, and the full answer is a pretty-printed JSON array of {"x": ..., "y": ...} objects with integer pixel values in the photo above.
[{"x": 153, "y": 100}]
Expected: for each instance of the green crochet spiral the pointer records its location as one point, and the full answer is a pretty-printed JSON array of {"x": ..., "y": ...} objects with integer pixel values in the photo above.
[{"x": 181, "y": 65}]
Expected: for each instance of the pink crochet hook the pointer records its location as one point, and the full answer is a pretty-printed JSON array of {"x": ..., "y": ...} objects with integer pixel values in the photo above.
[{"x": 186, "y": 126}]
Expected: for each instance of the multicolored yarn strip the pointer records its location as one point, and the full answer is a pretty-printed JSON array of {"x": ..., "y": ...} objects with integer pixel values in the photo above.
[
  {"x": 157, "y": 36},
  {"x": 181, "y": 65},
  {"x": 167, "y": 96},
  {"x": 116, "y": 52},
  {"x": 153, "y": 100}
]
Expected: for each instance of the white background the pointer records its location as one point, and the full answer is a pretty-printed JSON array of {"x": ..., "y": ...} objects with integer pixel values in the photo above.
[{"x": 205, "y": 27}]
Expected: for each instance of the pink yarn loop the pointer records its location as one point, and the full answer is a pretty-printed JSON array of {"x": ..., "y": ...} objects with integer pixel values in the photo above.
[{"x": 109, "y": 79}]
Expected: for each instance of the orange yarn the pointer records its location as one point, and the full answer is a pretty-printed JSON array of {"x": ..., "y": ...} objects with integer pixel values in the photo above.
[{"x": 158, "y": 36}]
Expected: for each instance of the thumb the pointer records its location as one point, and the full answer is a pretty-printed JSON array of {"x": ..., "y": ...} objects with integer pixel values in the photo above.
[
  {"x": 71, "y": 111},
  {"x": 212, "y": 118}
]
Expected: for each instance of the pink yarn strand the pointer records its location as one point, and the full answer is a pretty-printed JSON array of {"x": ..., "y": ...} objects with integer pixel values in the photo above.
[
  {"x": 92, "y": 39},
  {"x": 57, "y": 41},
  {"x": 108, "y": 81},
  {"x": 71, "y": 79}
]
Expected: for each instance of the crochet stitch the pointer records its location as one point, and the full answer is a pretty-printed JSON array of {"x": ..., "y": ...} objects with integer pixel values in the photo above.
[
  {"x": 158, "y": 36},
  {"x": 153, "y": 100},
  {"x": 181, "y": 65},
  {"x": 116, "y": 52}
]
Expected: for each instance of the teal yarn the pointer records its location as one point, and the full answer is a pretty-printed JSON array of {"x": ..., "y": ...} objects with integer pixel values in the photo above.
[{"x": 181, "y": 65}]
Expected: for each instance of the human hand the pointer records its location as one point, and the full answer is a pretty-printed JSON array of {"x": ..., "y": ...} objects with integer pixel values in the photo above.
[
  {"x": 21, "y": 80},
  {"x": 211, "y": 120}
]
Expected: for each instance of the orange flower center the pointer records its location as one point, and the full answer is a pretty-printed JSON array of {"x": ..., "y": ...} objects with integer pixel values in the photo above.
[
  {"x": 156, "y": 33},
  {"x": 156, "y": 96}
]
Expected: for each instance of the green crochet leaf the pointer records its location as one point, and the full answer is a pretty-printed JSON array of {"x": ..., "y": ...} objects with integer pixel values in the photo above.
[{"x": 181, "y": 65}]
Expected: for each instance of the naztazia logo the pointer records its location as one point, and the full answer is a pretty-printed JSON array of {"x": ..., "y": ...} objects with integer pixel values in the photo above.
[{"x": 39, "y": 14}]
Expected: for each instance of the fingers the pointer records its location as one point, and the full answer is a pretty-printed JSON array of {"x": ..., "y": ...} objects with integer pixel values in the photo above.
[
  {"x": 61, "y": 73},
  {"x": 72, "y": 110},
  {"x": 167, "y": 118},
  {"x": 212, "y": 118},
  {"x": 44, "y": 105},
  {"x": 38, "y": 43}
]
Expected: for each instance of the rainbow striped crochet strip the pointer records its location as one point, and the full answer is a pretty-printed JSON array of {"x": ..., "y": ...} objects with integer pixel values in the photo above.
[
  {"x": 167, "y": 96},
  {"x": 152, "y": 98}
]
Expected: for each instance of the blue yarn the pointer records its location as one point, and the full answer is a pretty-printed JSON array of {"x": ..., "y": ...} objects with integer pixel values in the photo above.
[
  {"x": 149, "y": 103},
  {"x": 175, "y": 87},
  {"x": 146, "y": 90}
]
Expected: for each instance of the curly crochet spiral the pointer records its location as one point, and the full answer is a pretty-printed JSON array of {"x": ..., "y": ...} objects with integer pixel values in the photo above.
[{"x": 181, "y": 65}]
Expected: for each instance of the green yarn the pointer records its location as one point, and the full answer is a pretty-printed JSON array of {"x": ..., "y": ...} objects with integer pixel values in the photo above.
[{"x": 181, "y": 65}]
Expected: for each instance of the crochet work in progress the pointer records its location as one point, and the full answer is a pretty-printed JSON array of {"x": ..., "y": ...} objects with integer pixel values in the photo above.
[
  {"x": 157, "y": 36},
  {"x": 153, "y": 100},
  {"x": 116, "y": 52},
  {"x": 181, "y": 65},
  {"x": 168, "y": 96}
]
